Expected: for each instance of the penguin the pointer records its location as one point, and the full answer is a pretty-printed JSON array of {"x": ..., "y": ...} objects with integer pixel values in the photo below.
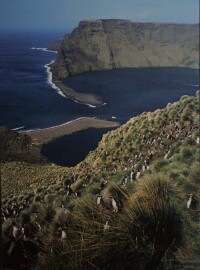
[
  {"x": 99, "y": 198},
  {"x": 125, "y": 180},
  {"x": 38, "y": 225},
  {"x": 62, "y": 204},
  {"x": 63, "y": 234},
  {"x": 192, "y": 202},
  {"x": 106, "y": 226},
  {"x": 189, "y": 202},
  {"x": 138, "y": 175},
  {"x": 24, "y": 231},
  {"x": 114, "y": 205},
  {"x": 132, "y": 176},
  {"x": 15, "y": 230}
]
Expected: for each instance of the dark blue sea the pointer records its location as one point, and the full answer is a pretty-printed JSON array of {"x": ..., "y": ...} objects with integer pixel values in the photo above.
[{"x": 28, "y": 101}]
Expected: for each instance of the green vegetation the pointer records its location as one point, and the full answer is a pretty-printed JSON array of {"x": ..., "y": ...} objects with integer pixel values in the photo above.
[
  {"x": 16, "y": 146},
  {"x": 150, "y": 168}
]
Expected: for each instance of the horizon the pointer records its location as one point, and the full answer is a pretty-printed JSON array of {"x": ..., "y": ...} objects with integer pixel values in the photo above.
[
  {"x": 69, "y": 30},
  {"x": 60, "y": 15}
]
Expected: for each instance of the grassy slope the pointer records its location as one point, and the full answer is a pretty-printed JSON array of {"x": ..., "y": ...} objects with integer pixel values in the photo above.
[{"x": 153, "y": 226}]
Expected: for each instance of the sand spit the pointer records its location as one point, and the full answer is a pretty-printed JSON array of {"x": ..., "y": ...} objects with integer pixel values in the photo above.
[{"x": 42, "y": 136}]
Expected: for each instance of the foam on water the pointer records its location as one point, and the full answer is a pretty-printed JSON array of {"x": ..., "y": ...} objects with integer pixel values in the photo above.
[
  {"x": 58, "y": 90},
  {"x": 50, "y": 79},
  {"x": 52, "y": 84},
  {"x": 188, "y": 84},
  {"x": 43, "y": 49},
  {"x": 18, "y": 128}
]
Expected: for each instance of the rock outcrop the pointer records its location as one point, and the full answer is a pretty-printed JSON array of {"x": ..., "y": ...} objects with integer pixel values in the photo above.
[
  {"x": 16, "y": 146},
  {"x": 55, "y": 45},
  {"x": 106, "y": 44}
]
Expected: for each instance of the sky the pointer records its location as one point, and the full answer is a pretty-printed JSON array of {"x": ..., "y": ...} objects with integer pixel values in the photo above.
[{"x": 66, "y": 14}]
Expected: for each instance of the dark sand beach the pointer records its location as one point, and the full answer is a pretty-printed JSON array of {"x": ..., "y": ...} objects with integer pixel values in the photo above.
[
  {"x": 42, "y": 136},
  {"x": 91, "y": 100}
]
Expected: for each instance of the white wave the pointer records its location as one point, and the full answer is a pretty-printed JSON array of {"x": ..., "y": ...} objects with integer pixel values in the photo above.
[
  {"x": 58, "y": 90},
  {"x": 43, "y": 49},
  {"x": 191, "y": 84},
  {"x": 18, "y": 128},
  {"x": 64, "y": 124},
  {"x": 91, "y": 106},
  {"x": 188, "y": 84},
  {"x": 196, "y": 85},
  {"x": 53, "y": 85},
  {"x": 50, "y": 79}
]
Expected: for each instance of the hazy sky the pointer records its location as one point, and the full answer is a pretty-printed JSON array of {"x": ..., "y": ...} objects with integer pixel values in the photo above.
[{"x": 65, "y": 14}]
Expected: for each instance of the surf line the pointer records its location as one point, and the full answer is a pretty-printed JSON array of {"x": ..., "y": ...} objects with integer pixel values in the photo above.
[
  {"x": 43, "y": 49},
  {"x": 50, "y": 79},
  {"x": 18, "y": 128},
  {"x": 58, "y": 90},
  {"x": 53, "y": 85}
]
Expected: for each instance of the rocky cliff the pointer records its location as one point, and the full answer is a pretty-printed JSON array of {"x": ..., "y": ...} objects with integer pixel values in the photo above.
[{"x": 106, "y": 44}]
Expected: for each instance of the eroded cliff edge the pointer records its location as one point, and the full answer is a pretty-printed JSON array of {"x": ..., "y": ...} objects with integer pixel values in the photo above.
[{"x": 106, "y": 44}]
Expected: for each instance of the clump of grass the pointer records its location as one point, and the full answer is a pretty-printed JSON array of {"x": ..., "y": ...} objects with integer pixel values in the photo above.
[
  {"x": 46, "y": 214},
  {"x": 154, "y": 208},
  {"x": 119, "y": 193},
  {"x": 186, "y": 153},
  {"x": 6, "y": 228},
  {"x": 35, "y": 208},
  {"x": 62, "y": 218},
  {"x": 189, "y": 141},
  {"x": 194, "y": 174},
  {"x": 37, "y": 198},
  {"x": 25, "y": 217},
  {"x": 150, "y": 229},
  {"x": 158, "y": 165}
]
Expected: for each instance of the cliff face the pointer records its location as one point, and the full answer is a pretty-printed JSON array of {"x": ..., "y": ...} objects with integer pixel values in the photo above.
[
  {"x": 55, "y": 45},
  {"x": 107, "y": 44}
]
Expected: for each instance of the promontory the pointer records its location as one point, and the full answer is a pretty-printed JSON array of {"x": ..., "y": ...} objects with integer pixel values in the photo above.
[{"x": 107, "y": 44}]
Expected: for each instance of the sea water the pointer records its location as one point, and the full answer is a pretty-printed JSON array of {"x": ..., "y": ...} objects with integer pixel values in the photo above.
[{"x": 30, "y": 100}]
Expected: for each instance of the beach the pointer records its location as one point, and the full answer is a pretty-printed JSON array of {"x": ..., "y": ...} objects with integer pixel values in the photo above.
[
  {"x": 45, "y": 135},
  {"x": 84, "y": 98},
  {"x": 88, "y": 99}
]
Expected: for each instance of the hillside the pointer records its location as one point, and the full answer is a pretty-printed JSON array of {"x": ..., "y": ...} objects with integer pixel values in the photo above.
[
  {"x": 16, "y": 146},
  {"x": 107, "y": 44},
  {"x": 133, "y": 203}
]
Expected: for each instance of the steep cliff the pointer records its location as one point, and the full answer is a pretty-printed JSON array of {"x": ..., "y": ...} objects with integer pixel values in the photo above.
[{"x": 107, "y": 44}]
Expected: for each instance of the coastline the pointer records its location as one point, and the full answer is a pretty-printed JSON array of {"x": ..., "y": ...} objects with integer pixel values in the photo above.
[
  {"x": 41, "y": 136},
  {"x": 88, "y": 99},
  {"x": 50, "y": 79}
]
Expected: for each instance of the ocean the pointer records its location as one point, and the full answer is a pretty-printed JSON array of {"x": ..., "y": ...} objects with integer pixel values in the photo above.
[{"x": 29, "y": 100}]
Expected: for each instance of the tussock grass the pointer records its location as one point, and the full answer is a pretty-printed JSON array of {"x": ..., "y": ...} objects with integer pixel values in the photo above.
[{"x": 153, "y": 228}]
